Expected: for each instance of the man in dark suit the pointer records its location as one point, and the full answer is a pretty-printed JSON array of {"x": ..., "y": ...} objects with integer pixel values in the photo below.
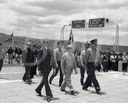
[
  {"x": 45, "y": 61},
  {"x": 28, "y": 60}
]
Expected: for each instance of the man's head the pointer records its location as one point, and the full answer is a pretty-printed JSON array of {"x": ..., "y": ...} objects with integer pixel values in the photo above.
[
  {"x": 46, "y": 42},
  {"x": 69, "y": 48},
  {"x": 60, "y": 43},
  {"x": 28, "y": 44},
  {"x": 124, "y": 54},
  {"x": 93, "y": 43},
  {"x": 87, "y": 45}
]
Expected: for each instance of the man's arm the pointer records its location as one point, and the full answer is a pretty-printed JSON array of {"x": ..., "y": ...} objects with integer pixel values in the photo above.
[
  {"x": 75, "y": 65},
  {"x": 63, "y": 63},
  {"x": 56, "y": 65},
  {"x": 87, "y": 54},
  {"x": 81, "y": 59}
]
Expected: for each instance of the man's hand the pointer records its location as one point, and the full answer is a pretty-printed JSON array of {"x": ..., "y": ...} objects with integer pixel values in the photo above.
[
  {"x": 75, "y": 71},
  {"x": 54, "y": 71}
]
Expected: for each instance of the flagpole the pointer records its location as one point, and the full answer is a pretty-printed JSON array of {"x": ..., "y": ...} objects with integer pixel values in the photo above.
[
  {"x": 62, "y": 31},
  {"x": 12, "y": 40}
]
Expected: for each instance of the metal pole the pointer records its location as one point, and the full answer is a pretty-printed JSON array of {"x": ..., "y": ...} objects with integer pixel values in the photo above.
[
  {"x": 62, "y": 32},
  {"x": 116, "y": 38}
]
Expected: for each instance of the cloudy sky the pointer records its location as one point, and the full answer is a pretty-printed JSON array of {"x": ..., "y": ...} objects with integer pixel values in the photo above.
[{"x": 45, "y": 18}]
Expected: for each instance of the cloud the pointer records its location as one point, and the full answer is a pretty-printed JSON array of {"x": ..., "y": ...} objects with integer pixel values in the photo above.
[
  {"x": 45, "y": 18},
  {"x": 58, "y": 6},
  {"x": 2, "y": 1}
]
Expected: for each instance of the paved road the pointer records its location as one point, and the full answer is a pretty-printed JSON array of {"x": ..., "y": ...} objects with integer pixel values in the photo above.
[{"x": 114, "y": 87}]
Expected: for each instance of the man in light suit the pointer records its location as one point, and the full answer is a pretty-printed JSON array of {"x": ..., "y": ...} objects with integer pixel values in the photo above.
[
  {"x": 45, "y": 61},
  {"x": 68, "y": 63}
]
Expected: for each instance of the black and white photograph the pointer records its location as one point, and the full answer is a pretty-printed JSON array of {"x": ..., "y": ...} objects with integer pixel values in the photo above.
[{"x": 63, "y": 51}]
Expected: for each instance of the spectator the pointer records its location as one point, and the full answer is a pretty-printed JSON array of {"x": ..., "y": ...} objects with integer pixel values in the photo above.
[
  {"x": 2, "y": 56},
  {"x": 10, "y": 55}
]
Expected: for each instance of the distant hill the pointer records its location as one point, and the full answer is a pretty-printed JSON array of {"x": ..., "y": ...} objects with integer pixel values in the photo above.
[{"x": 20, "y": 42}]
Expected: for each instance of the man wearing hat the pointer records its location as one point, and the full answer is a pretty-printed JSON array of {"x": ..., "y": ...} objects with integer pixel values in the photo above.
[
  {"x": 2, "y": 55},
  {"x": 45, "y": 62},
  {"x": 91, "y": 62},
  {"x": 83, "y": 67},
  {"x": 58, "y": 52},
  {"x": 67, "y": 65}
]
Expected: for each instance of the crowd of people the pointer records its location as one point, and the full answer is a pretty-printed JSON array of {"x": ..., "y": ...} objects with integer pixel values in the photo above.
[
  {"x": 14, "y": 54},
  {"x": 64, "y": 60},
  {"x": 108, "y": 60}
]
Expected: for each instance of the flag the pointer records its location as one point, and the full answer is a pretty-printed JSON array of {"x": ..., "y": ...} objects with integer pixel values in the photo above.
[
  {"x": 71, "y": 38},
  {"x": 10, "y": 38}
]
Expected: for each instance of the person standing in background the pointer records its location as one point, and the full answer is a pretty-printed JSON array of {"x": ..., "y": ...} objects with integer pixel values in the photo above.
[
  {"x": 10, "y": 55},
  {"x": 125, "y": 63},
  {"x": 2, "y": 56}
]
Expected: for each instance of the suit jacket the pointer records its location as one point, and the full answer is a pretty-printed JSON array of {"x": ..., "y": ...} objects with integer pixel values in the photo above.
[
  {"x": 42, "y": 55},
  {"x": 68, "y": 62},
  {"x": 28, "y": 57}
]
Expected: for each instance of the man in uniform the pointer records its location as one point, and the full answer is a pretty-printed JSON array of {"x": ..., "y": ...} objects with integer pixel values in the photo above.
[
  {"x": 83, "y": 67},
  {"x": 45, "y": 61},
  {"x": 58, "y": 52},
  {"x": 91, "y": 62}
]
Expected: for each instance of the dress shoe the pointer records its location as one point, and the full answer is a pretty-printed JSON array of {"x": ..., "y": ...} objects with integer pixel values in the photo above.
[
  {"x": 29, "y": 81},
  {"x": 63, "y": 90},
  {"x": 84, "y": 88},
  {"x": 98, "y": 91},
  {"x": 39, "y": 93},
  {"x": 24, "y": 80},
  {"x": 48, "y": 98},
  {"x": 72, "y": 92}
]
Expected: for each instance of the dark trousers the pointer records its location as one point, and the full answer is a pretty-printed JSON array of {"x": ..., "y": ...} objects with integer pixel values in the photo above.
[
  {"x": 113, "y": 66},
  {"x": 27, "y": 73},
  {"x": 1, "y": 64},
  {"x": 33, "y": 71},
  {"x": 56, "y": 72},
  {"x": 91, "y": 77},
  {"x": 105, "y": 66},
  {"x": 82, "y": 72},
  {"x": 44, "y": 81},
  {"x": 124, "y": 68}
]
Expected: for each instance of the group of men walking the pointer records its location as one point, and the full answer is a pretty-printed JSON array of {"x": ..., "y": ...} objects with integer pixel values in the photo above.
[{"x": 62, "y": 60}]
